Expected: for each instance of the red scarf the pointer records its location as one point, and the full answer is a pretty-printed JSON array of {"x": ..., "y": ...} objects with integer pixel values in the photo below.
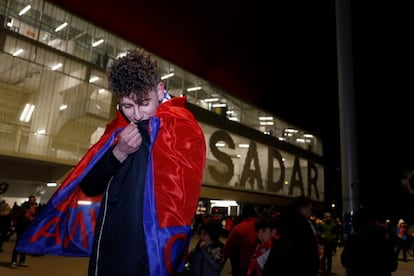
[{"x": 259, "y": 258}]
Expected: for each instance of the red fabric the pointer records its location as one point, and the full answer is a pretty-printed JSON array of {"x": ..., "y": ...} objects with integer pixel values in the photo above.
[
  {"x": 243, "y": 240},
  {"x": 178, "y": 178},
  {"x": 118, "y": 122},
  {"x": 64, "y": 227},
  {"x": 256, "y": 266}
]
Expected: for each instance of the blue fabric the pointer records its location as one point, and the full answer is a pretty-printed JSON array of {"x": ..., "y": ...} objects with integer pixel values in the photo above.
[{"x": 64, "y": 227}]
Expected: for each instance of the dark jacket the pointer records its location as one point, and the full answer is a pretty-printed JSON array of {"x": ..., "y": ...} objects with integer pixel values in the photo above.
[
  {"x": 208, "y": 260},
  {"x": 279, "y": 261},
  {"x": 119, "y": 231},
  {"x": 144, "y": 221},
  {"x": 369, "y": 252},
  {"x": 300, "y": 235}
]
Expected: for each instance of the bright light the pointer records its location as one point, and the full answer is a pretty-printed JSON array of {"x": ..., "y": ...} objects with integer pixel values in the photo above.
[
  {"x": 40, "y": 132},
  {"x": 61, "y": 26},
  {"x": 195, "y": 88},
  {"x": 291, "y": 130},
  {"x": 265, "y": 118},
  {"x": 209, "y": 100},
  {"x": 121, "y": 55},
  {"x": 10, "y": 23},
  {"x": 18, "y": 52},
  {"x": 167, "y": 76},
  {"x": 219, "y": 105},
  {"x": 25, "y": 9},
  {"x": 97, "y": 43},
  {"x": 223, "y": 203},
  {"x": 27, "y": 113},
  {"x": 93, "y": 79},
  {"x": 56, "y": 66}
]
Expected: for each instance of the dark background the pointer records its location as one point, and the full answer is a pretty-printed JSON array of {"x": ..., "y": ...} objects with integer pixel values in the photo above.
[{"x": 283, "y": 57}]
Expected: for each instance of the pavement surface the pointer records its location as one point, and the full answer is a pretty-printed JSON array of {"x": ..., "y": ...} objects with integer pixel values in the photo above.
[{"x": 48, "y": 265}]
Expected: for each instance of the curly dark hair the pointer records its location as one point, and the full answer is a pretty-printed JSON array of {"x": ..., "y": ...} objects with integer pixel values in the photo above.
[{"x": 136, "y": 73}]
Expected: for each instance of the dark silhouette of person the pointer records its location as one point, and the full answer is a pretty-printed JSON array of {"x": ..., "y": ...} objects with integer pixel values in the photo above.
[
  {"x": 26, "y": 215},
  {"x": 5, "y": 223},
  {"x": 369, "y": 250},
  {"x": 295, "y": 224},
  {"x": 328, "y": 236}
]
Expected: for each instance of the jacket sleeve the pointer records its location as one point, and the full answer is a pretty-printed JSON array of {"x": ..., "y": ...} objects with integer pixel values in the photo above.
[{"x": 95, "y": 182}]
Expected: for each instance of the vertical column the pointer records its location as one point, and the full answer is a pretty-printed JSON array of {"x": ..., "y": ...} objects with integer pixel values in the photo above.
[{"x": 350, "y": 182}]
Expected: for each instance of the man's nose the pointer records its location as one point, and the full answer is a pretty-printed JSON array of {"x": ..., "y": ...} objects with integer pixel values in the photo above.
[{"x": 138, "y": 115}]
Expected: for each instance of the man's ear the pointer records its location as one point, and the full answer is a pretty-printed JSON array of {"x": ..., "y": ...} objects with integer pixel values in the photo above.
[{"x": 160, "y": 91}]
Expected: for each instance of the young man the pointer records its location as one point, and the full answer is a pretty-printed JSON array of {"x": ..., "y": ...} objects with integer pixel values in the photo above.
[
  {"x": 150, "y": 179},
  {"x": 273, "y": 254},
  {"x": 145, "y": 171}
]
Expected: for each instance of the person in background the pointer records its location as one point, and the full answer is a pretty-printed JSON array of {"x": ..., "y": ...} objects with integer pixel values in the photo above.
[
  {"x": 273, "y": 254},
  {"x": 150, "y": 179},
  {"x": 241, "y": 242},
  {"x": 401, "y": 239},
  {"x": 328, "y": 237},
  {"x": 30, "y": 201},
  {"x": 25, "y": 216},
  {"x": 228, "y": 225},
  {"x": 369, "y": 250},
  {"x": 295, "y": 224},
  {"x": 410, "y": 234},
  {"x": 340, "y": 232},
  {"x": 5, "y": 222},
  {"x": 206, "y": 259},
  {"x": 197, "y": 222}
]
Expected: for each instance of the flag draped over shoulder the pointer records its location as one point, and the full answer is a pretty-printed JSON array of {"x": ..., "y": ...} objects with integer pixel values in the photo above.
[
  {"x": 173, "y": 185},
  {"x": 173, "y": 181},
  {"x": 66, "y": 225}
]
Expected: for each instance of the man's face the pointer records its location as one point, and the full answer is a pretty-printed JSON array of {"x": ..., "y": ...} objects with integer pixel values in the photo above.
[
  {"x": 265, "y": 234},
  {"x": 137, "y": 111},
  {"x": 32, "y": 199}
]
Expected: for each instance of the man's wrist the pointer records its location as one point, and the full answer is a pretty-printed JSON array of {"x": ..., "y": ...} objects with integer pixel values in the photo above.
[{"x": 119, "y": 155}]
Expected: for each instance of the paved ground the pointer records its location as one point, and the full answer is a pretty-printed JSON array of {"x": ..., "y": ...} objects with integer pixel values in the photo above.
[{"x": 69, "y": 266}]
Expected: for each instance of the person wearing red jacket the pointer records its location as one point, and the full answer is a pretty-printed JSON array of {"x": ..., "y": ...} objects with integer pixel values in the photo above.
[{"x": 241, "y": 242}]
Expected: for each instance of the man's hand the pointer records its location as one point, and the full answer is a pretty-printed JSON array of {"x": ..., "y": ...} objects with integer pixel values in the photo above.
[{"x": 129, "y": 141}]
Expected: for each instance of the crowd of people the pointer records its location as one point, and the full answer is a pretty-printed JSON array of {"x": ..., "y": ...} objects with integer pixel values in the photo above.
[
  {"x": 14, "y": 221},
  {"x": 289, "y": 241},
  {"x": 146, "y": 171},
  {"x": 295, "y": 241}
]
